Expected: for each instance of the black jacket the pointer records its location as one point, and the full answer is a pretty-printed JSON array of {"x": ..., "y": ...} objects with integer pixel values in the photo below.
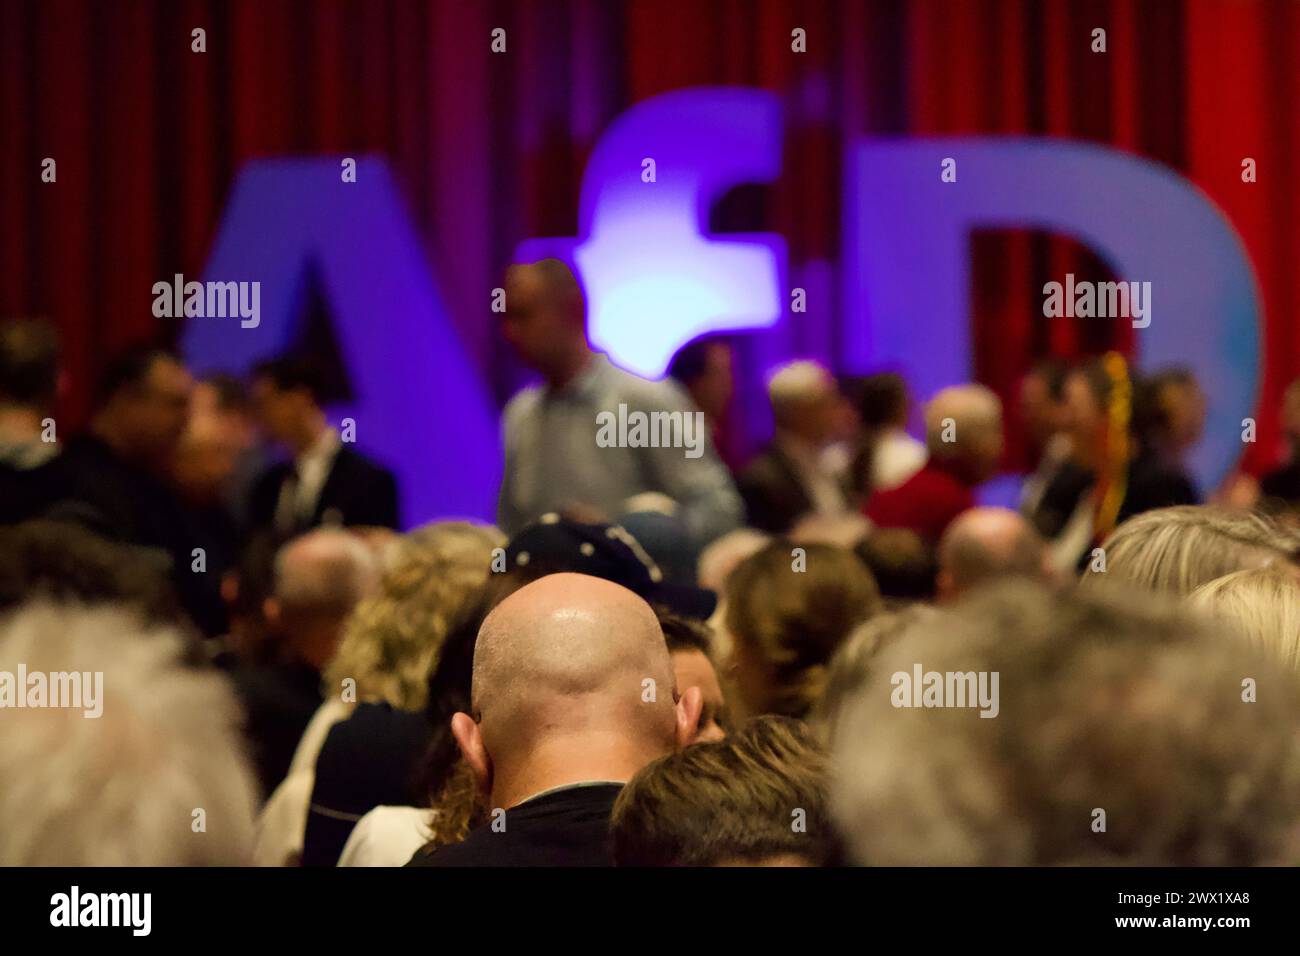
[
  {"x": 567, "y": 827},
  {"x": 774, "y": 495},
  {"x": 357, "y": 491}
]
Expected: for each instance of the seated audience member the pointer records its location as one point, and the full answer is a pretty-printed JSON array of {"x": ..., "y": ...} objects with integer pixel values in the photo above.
[
  {"x": 757, "y": 798},
  {"x": 245, "y": 588},
  {"x": 124, "y": 775},
  {"x": 1043, "y": 415},
  {"x": 403, "y": 805},
  {"x": 327, "y": 481},
  {"x": 785, "y": 623},
  {"x": 65, "y": 563},
  {"x": 1262, "y": 605},
  {"x": 690, "y": 644},
  {"x": 1280, "y": 488},
  {"x": 1176, "y": 550},
  {"x": 985, "y": 544},
  {"x": 318, "y": 579},
  {"x": 852, "y": 663},
  {"x": 31, "y": 473},
  {"x": 705, "y": 367},
  {"x": 430, "y": 582},
  {"x": 1120, "y": 738},
  {"x": 889, "y": 454},
  {"x": 573, "y": 693},
  {"x": 903, "y": 565},
  {"x": 790, "y": 477},
  {"x": 383, "y": 833},
  {"x": 963, "y": 432},
  {"x": 552, "y": 460},
  {"x": 1126, "y": 441}
]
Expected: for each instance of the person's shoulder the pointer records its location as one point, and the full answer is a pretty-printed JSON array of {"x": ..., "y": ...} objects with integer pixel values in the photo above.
[
  {"x": 521, "y": 403},
  {"x": 359, "y": 462},
  {"x": 466, "y": 853},
  {"x": 648, "y": 394},
  {"x": 386, "y": 836}
]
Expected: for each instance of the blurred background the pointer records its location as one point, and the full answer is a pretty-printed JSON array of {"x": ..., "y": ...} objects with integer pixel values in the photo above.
[{"x": 488, "y": 151}]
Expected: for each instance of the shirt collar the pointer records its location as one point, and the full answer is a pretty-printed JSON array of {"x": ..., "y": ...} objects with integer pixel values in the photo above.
[
  {"x": 586, "y": 382},
  {"x": 570, "y": 786},
  {"x": 323, "y": 449}
]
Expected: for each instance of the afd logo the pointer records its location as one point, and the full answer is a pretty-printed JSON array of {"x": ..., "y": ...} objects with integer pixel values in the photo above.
[{"x": 655, "y": 278}]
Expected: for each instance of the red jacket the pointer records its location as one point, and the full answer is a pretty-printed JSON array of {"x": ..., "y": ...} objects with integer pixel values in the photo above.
[{"x": 925, "y": 503}]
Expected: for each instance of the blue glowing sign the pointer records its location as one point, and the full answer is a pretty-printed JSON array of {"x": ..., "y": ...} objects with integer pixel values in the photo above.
[
  {"x": 421, "y": 407},
  {"x": 653, "y": 276},
  {"x": 907, "y": 260}
]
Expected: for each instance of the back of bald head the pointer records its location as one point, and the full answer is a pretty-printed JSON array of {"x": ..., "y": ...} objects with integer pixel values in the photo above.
[
  {"x": 961, "y": 420},
  {"x": 326, "y": 571},
  {"x": 571, "y": 654},
  {"x": 986, "y": 543},
  {"x": 550, "y": 278}
]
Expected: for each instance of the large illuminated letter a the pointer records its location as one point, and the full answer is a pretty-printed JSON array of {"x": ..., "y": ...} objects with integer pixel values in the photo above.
[{"x": 420, "y": 405}]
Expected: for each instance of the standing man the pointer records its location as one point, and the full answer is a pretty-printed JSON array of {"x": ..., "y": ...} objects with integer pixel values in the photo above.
[
  {"x": 552, "y": 460},
  {"x": 326, "y": 483},
  {"x": 791, "y": 477}
]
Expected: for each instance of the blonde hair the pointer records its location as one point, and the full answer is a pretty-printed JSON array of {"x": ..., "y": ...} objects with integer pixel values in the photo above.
[
  {"x": 791, "y": 622},
  {"x": 1264, "y": 606},
  {"x": 433, "y": 579},
  {"x": 1176, "y": 550}
]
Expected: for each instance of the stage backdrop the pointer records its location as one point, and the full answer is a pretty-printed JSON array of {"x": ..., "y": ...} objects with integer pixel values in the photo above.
[{"x": 488, "y": 150}]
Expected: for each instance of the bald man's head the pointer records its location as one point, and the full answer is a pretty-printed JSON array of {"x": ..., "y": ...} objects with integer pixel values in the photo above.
[
  {"x": 963, "y": 428},
  {"x": 986, "y": 543},
  {"x": 545, "y": 317},
  {"x": 572, "y": 662}
]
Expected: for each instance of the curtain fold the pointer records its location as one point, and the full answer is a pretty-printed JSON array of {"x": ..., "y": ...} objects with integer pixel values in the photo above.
[{"x": 489, "y": 148}]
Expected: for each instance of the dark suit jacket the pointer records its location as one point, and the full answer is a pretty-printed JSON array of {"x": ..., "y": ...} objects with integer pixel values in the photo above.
[
  {"x": 357, "y": 491},
  {"x": 125, "y": 503},
  {"x": 773, "y": 494},
  {"x": 569, "y": 827}
]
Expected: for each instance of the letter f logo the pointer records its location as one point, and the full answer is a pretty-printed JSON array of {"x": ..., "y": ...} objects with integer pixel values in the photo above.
[{"x": 653, "y": 277}]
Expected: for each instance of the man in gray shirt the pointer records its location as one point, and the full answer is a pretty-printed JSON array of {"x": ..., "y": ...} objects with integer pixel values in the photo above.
[{"x": 591, "y": 436}]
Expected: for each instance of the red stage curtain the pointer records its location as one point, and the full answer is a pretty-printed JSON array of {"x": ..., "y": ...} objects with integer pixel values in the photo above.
[{"x": 148, "y": 136}]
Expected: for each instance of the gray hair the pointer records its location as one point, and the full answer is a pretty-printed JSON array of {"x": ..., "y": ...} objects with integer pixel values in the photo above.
[
  {"x": 1107, "y": 705},
  {"x": 159, "y": 778},
  {"x": 325, "y": 570}
]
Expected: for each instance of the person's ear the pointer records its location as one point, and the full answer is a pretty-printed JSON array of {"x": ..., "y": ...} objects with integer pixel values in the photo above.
[
  {"x": 271, "y": 611},
  {"x": 943, "y": 586},
  {"x": 469, "y": 738},
  {"x": 689, "y": 706}
]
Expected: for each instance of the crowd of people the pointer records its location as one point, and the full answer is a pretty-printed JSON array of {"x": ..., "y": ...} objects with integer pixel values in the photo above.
[{"x": 218, "y": 644}]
